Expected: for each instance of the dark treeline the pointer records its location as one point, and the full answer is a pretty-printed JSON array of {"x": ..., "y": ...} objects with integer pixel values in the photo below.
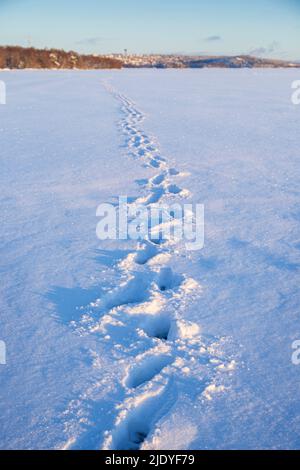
[{"x": 15, "y": 57}]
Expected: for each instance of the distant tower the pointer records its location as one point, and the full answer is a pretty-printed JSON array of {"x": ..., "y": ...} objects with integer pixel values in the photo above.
[{"x": 125, "y": 52}]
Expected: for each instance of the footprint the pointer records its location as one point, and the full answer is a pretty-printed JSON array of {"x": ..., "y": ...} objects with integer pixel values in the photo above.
[
  {"x": 147, "y": 368},
  {"x": 173, "y": 171},
  {"x": 130, "y": 129},
  {"x": 135, "y": 141},
  {"x": 166, "y": 279},
  {"x": 142, "y": 181},
  {"x": 141, "y": 151},
  {"x": 145, "y": 252},
  {"x": 155, "y": 196},
  {"x": 150, "y": 148},
  {"x": 158, "y": 238},
  {"x": 160, "y": 158},
  {"x": 133, "y": 291},
  {"x": 139, "y": 415},
  {"x": 154, "y": 163},
  {"x": 157, "y": 326},
  {"x": 174, "y": 189},
  {"x": 157, "y": 179}
]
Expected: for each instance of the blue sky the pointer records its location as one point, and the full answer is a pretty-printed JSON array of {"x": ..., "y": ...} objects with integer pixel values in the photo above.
[{"x": 269, "y": 28}]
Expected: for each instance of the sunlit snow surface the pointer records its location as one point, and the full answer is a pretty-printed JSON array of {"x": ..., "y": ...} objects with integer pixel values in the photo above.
[{"x": 114, "y": 345}]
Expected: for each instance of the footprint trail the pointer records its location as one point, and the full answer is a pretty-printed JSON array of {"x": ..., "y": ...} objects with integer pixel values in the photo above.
[{"x": 143, "y": 317}]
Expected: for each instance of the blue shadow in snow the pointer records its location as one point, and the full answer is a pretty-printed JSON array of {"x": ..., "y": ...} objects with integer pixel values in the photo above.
[
  {"x": 272, "y": 259},
  {"x": 280, "y": 262},
  {"x": 110, "y": 257},
  {"x": 69, "y": 300},
  {"x": 70, "y": 303}
]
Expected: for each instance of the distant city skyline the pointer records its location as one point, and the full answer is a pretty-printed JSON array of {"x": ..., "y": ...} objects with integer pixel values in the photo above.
[{"x": 265, "y": 28}]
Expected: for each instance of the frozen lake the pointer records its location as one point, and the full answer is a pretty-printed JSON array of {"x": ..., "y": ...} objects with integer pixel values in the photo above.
[{"x": 114, "y": 344}]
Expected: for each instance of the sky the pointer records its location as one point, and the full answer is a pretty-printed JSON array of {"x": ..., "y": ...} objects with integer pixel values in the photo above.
[{"x": 266, "y": 28}]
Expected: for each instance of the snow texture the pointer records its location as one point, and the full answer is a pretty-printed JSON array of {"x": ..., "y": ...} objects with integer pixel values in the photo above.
[{"x": 144, "y": 345}]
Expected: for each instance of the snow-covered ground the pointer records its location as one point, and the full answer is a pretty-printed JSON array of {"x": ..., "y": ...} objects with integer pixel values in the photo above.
[{"x": 120, "y": 345}]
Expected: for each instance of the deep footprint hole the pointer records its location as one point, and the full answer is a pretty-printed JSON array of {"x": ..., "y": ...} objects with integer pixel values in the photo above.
[
  {"x": 167, "y": 280},
  {"x": 174, "y": 189},
  {"x": 158, "y": 327},
  {"x": 137, "y": 438}
]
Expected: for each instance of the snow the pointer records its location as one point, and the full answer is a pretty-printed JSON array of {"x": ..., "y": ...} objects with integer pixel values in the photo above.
[{"x": 147, "y": 345}]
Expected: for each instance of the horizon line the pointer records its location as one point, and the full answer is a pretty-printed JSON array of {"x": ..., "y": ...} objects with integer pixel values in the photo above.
[{"x": 127, "y": 54}]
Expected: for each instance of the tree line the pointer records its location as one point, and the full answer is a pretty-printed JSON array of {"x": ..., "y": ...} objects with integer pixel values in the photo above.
[{"x": 16, "y": 57}]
